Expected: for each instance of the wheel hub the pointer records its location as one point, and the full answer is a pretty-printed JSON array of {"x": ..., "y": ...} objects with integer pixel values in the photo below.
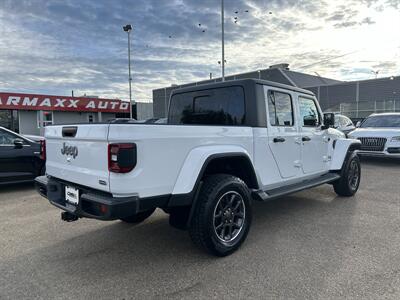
[{"x": 229, "y": 215}]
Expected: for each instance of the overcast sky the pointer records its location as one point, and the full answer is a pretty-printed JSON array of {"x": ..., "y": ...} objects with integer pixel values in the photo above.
[{"x": 53, "y": 47}]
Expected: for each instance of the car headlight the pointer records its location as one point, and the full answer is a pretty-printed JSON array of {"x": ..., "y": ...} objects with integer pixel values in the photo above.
[{"x": 395, "y": 139}]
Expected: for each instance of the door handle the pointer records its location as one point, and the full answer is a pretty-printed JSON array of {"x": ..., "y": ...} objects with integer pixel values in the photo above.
[
  {"x": 279, "y": 140},
  {"x": 306, "y": 139}
]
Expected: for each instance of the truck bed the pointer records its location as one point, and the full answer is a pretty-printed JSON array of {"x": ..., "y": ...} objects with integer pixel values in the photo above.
[{"x": 161, "y": 152}]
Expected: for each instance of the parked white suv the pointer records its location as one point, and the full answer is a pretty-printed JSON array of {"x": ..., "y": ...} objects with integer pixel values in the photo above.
[
  {"x": 224, "y": 146},
  {"x": 379, "y": 135}
]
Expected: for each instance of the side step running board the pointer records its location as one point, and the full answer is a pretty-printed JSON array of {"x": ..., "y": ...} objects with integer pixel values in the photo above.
[{"x": 268, "y": 195}]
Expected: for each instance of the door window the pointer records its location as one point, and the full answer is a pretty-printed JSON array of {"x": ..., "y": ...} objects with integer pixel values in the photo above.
[
  {"x": 6, "y": 138},
  {"x": 309, "y": 112},
  {"x": 280, "y": 109}
]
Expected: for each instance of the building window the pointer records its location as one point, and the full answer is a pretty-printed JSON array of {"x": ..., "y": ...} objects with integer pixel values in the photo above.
[
  {"x": 44, "y": 118},
  {"x": 90, "y": 118},
  {"x": 9, "y": 119}
]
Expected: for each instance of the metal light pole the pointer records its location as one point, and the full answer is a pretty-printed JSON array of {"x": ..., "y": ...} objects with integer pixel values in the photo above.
[
  {"x": 128, "y": 28},
  {"x": 223, "y": 40}
]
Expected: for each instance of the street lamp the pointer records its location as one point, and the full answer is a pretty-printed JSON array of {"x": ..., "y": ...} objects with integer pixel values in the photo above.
[{"x": 128, "y": 28}]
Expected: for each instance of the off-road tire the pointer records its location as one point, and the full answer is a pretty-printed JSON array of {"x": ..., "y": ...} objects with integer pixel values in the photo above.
[
  {"x": 139, "y": 217},
  {"x": 202, "y": 228},
  {"x": 348, "y": 185}
]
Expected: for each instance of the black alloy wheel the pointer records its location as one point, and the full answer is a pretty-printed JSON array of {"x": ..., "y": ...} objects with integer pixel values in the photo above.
[{"x": 229, "y": 216}]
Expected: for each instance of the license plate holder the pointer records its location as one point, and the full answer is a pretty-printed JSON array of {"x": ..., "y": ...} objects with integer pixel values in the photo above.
[{"x": 72, "y": 195}]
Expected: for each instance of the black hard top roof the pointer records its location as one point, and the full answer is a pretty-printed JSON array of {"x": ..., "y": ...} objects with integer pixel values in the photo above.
[{"x": 241, "y": 82}]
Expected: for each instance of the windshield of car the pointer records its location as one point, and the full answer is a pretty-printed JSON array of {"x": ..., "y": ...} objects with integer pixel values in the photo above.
[{"x": 382, "y": 121}]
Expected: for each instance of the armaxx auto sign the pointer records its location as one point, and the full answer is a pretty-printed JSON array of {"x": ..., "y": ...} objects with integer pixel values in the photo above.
[{"x": 61, "y": 103}]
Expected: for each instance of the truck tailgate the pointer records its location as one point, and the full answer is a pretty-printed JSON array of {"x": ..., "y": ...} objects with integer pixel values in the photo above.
[{"x": 80, "y": 158}]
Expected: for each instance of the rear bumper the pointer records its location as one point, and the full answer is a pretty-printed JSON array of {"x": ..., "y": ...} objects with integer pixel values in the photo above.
[{"x": 95, "y": 204}]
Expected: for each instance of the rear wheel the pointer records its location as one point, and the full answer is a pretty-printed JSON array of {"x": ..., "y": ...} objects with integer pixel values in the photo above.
[
  {"x": 348, "y": 184},
  {"x": 139, "y": 217},
  {"x": 222, "y": 215}
]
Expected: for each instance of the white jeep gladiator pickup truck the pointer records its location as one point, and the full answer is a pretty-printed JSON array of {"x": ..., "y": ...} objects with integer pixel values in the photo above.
[{"x": 224, "y": 145}]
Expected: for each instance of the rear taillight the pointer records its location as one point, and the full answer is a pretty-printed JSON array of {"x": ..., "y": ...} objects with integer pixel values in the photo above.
[
  {"x": 43, "y": 149},
  {"x": 121, "y": 157}
]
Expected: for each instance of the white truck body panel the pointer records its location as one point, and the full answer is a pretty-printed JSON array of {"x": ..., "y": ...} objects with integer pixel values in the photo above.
[
  {"x": 267, "y": 168},
  {"x": 339, "y": 155},
  {"x": 162, "y": 151}
]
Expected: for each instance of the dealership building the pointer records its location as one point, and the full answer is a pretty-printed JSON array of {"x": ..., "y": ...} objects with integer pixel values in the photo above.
[
  {"x": 356, "y": 99},
  {"x": 30, "y": 114}
]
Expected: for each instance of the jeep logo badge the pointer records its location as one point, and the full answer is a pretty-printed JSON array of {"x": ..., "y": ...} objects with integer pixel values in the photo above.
[{"x": 69, "y": 150}]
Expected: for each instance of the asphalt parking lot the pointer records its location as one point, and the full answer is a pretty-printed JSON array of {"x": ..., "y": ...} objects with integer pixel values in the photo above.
[{"x": 312, "y": 244}]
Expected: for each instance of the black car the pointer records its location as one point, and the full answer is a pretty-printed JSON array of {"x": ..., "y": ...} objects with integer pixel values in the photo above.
[{"x": 20, "y": 158}]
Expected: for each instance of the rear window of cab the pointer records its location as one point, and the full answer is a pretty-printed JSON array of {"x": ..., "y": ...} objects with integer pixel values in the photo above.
[{"x": 218, "y": 106}]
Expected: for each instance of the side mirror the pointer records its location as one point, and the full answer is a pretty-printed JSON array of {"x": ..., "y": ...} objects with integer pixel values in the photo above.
[
  {"x": 18, "y": 143},
  {"x": 358, "y": 124},
  {"x": 329, "y": 120}
]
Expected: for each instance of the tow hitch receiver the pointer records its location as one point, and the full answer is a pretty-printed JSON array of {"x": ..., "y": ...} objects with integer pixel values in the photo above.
[{"x": 68, "y": 217}]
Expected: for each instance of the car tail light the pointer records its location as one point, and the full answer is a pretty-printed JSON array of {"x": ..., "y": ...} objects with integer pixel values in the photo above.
[
  {"x": 43, "y": 149},
  {"x": 121, "y": 157}
]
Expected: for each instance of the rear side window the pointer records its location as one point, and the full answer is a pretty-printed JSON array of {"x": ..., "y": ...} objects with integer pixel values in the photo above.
[
  {"x": 219, "y": 106},
  {"x": 6, "y": 138},
  {"x": 280, "y": 109}
]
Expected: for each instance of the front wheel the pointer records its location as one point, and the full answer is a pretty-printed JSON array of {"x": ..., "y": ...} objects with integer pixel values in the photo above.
[
  {"x": 139, "y": 217},
  {"x": 348, "y": 184},
  {"x": 222, "y": 216}
]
